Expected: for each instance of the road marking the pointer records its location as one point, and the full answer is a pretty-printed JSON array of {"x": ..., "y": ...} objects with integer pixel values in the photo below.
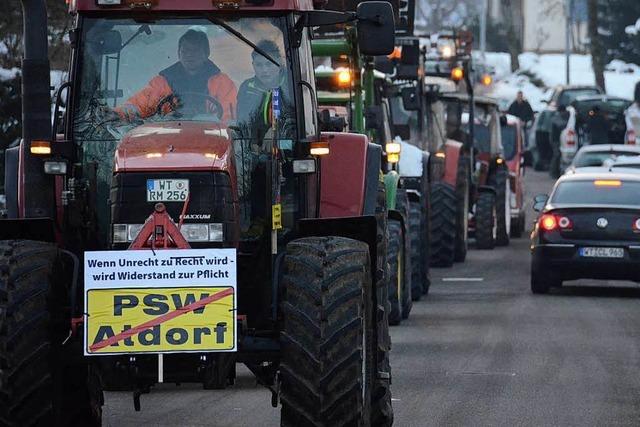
[{"x": 462, "y": 279}]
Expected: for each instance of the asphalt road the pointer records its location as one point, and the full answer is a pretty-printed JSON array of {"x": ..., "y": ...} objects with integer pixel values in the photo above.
[{"x": 480, "y": 350}]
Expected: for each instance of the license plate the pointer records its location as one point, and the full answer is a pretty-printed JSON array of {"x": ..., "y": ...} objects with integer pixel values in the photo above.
[
  {"x": 602, "y": 252},
  {"x": 167, "y": 190}
]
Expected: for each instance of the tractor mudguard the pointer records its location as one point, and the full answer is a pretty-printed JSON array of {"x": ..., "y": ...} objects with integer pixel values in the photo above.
[
  {"x": 362, "y": 228},
  {"x": 372, "y": 178},
  {"x": 391, "y": 180},
  {"x": 39, "y": 229},
  {"x": 343, "y": 175},
  {"x": 397, "y": 215},
  {"x": 453, "y": 153},
  {"x": 11, "y": 167},
  {"x": 486, "y": 189}
]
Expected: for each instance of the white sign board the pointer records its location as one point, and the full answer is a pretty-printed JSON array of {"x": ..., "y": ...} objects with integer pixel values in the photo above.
[{"x": 170, "y": 301}]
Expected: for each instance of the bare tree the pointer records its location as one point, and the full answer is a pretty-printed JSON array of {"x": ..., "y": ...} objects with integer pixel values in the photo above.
[
  {"x": 434, "y": 15},
  {"x": 512, "y": 14},
  {"x": 596, "y": 46}
]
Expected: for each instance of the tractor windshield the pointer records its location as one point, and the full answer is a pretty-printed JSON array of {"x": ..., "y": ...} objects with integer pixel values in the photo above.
[
  {"x": 178, "y": 69},
  {"x": 220, "y": 76}
]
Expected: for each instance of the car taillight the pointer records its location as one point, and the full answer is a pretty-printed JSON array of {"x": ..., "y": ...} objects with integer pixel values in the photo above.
[
  {"x": 565, "y": 223},
  {"x": 550, "y": 222},
  {"x": 631, "y": 137},
  {"x": 636, "y": 226},
  {"x": 571, "y": 138}
]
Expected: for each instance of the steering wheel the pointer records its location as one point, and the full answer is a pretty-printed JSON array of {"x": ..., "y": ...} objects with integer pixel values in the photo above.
[{"x": 170, "y": 100}]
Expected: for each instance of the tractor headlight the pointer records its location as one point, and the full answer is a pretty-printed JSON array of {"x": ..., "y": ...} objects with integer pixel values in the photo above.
[
  {"x": 195, "y": 232},
  {"x": 120, "y": 233},
  {"x": 216, "y": 233}
]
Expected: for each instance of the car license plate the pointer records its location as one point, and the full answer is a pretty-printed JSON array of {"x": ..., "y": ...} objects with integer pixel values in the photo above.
[
  {"x": 167, "y": 190},
  {"x": 602, "y": 252}
]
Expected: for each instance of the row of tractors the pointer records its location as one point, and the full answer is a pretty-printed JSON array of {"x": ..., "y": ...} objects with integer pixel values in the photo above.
[
  {"x": 168, "y": 232},
  {"x": 446, "y": 181}
]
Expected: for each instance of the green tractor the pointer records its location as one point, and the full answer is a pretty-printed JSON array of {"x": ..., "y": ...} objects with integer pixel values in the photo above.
[{"x": 353, "y": 96}]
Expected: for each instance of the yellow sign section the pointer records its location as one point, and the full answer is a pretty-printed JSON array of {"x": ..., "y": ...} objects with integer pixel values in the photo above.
[
  {"x": 276, "y": 214},
  {"x": 160, "y": 320}
]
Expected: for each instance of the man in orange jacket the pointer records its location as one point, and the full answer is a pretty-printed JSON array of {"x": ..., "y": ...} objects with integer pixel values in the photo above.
[{"x": 193, "y": 85}]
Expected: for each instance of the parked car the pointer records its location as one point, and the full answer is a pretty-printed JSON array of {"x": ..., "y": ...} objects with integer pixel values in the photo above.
[
  {"x": 561, "y": 98},
  {"x": 596, "y": 155},
  {"x": 512, "y": 130},
  {"x": 598, "y": 119},
  {"x": 623, "y": 162},
  {"x": 589, "y": 228}
]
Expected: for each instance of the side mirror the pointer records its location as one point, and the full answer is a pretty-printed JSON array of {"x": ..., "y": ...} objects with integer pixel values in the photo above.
[
  {"x": 374, "y": 117},
  {"x": 330, "y": 123},
  {"x": 402, "y": 131},
  {"x": 107, "y": 43},
  {"x": 410, "y": 98},
  {"x": 376, "y": 29},
  {"x": 539, "y": 202}
]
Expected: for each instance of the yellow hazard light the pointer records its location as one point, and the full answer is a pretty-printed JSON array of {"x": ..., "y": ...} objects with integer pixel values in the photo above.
[
  {"x": 440, "y": 154},
  {"x": 457, "y": 74},
  {"x": 344, "y": 77},
  {"x": 393, "y": 157},
  {"x": 487, "y": 80},
  {"x": 607, "y": 183},
  {"x": 447, "y": 52},
  {"x": 320, "y": 148},
  {"x": 40, "y": 148},
  {"x": 153, "y": 155},
  {"x": 499, "y": 160},
  {"x": 396, "y": 54},
  {"x": 393, "y": 148}
]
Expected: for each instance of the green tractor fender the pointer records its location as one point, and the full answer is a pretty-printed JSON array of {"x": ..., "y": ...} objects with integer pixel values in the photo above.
[{"x": 391, "y": 180}]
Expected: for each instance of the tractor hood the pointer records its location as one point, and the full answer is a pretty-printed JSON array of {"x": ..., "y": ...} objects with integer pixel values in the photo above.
[{"x": 175, "y": 146}]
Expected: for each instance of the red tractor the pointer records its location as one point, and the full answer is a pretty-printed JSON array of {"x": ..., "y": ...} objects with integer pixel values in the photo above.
[
  {"x": 190, "y": 136},
  {"x": 512, "y": 130}
]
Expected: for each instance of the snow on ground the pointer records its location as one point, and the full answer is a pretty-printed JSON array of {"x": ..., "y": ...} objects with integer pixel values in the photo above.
[
  {"x": 550, "y": 69},
  {"x": 633, "y": 30},
  {"x": 8, "y": 74}
]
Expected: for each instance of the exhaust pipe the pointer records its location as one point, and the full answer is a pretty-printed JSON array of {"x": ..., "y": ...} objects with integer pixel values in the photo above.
[
  {"x": 36, "y": 80},
  {"x": 38, "y": 201}
]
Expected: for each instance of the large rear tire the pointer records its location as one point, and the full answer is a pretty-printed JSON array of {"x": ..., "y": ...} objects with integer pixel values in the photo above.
[
  {"x": 402, "y": 205},
  {"x": 41, "y": 383},
  {"x": 486, "y": 226},
  {"x": 503, "y": 206},
  {"x": 443, "y": 225},
  {"x": 416, "y": 236},
  {"x": 381, "y": 407},
  {"x": 328, "y": 360},
  {"x": 395, "y": 262},
  {"x": 462, "y": 210}
]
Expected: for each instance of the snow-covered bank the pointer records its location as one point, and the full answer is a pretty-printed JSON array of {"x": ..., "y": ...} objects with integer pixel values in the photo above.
[{"x": 620, "y": 77}]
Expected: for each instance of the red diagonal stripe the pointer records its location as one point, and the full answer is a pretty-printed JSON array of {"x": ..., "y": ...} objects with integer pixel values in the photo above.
[{"x": 161, "y": 319}]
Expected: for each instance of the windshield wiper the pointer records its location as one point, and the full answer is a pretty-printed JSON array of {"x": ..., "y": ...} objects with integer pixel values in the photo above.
[{"x": 239, "y": 35}]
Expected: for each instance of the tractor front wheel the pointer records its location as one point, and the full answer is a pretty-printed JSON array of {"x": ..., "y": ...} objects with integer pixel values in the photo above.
[
  {"x": 503, "y": 207},
  {"x": 328, "y": 352},
  {"x": 462, "y": 210},
  {"x": 443, "y": 225},
  {"x": 395, "y": 261},
  {"x": 41, "y": 382},
  {"x": 486, "y": 226}
]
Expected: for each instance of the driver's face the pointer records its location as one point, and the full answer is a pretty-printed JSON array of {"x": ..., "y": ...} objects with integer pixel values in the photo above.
[
  {"x": 191, "y": 56},
  {"x": 266, "y": 71}
]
